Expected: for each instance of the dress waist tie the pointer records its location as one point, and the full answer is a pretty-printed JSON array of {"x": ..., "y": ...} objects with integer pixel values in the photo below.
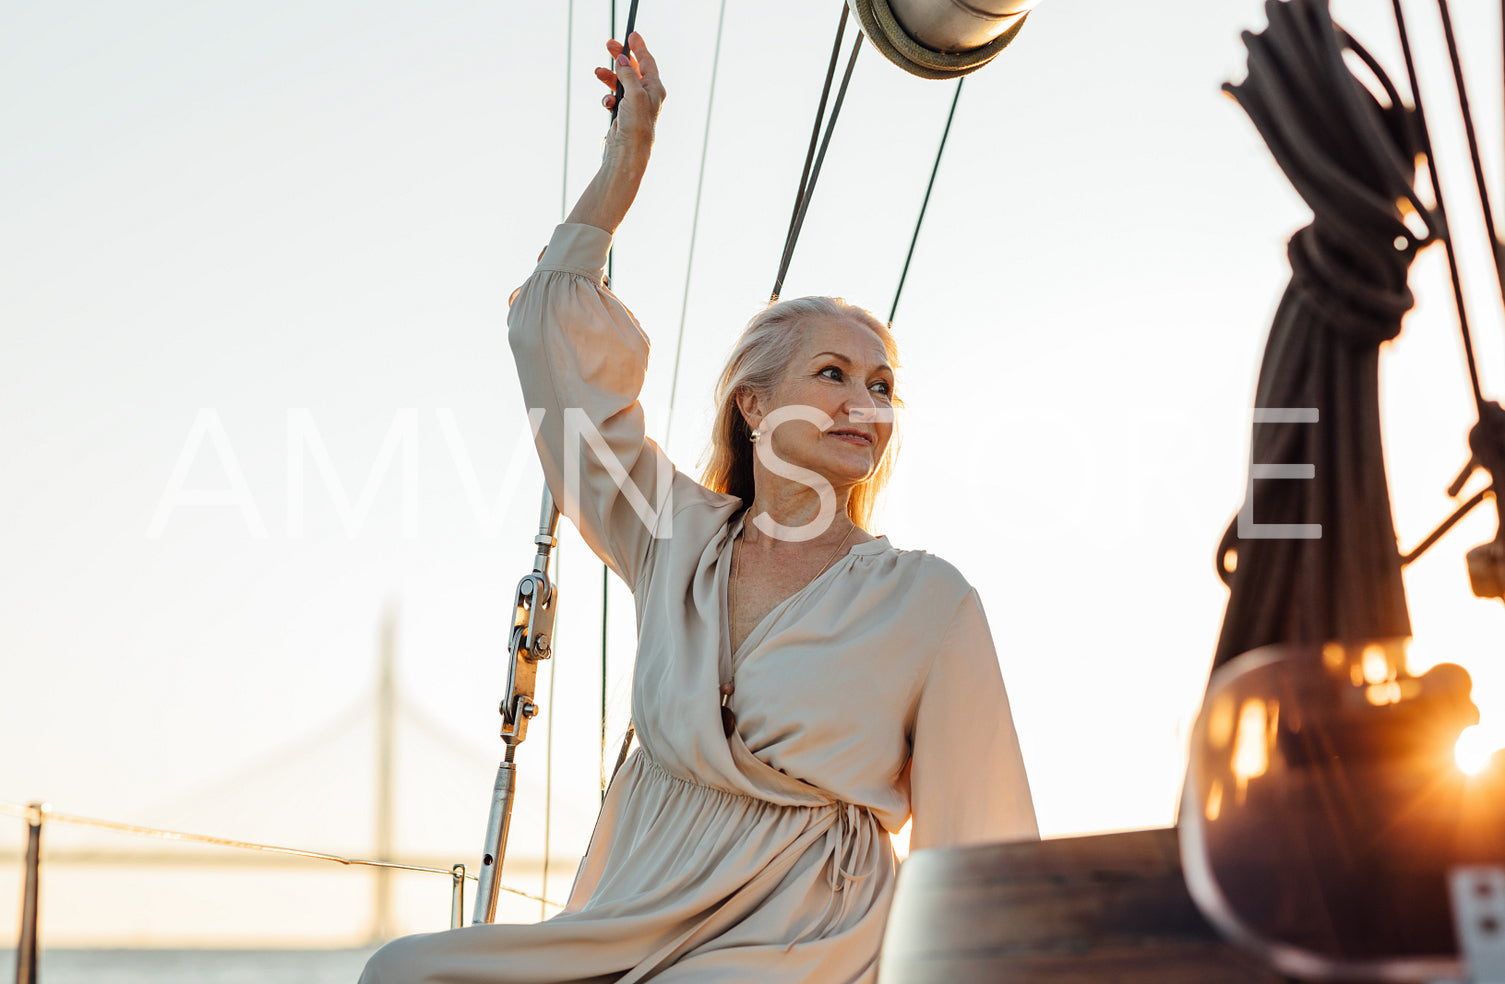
[
  {"x": 848, "y": 849},
  {"x": 849, "y": 845}
]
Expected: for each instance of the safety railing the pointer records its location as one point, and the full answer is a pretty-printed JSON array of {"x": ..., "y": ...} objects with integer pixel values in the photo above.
[{"x": 36, "y": 814}]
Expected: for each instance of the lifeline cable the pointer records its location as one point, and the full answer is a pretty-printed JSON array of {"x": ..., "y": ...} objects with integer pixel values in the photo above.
[{"x": 159, "y": 833}]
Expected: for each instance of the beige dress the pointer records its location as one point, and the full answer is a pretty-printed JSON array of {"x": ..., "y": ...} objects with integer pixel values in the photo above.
[{"x": 873, "y": 692}]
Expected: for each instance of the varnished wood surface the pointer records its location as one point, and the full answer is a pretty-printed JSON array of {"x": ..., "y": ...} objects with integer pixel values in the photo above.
[{"x": 1106, "y": 909}]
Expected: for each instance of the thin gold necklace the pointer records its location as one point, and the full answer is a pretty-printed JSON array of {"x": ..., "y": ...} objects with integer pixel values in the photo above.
[{"x": 729, "y": 686}]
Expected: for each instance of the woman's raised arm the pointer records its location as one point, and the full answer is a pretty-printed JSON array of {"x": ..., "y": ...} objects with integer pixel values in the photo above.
[
  {"x": 581, "y": 356},
  {"x": 629, "y": 143}
]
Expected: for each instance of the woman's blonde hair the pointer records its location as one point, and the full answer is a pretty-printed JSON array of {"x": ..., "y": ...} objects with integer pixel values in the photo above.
[{"x": 757, "y": 364}]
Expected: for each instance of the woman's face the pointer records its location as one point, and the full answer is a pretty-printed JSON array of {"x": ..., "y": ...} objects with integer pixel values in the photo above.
[{"x": 842, "y": 371}]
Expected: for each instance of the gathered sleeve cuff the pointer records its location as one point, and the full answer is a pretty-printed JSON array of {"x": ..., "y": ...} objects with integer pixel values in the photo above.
[
  {"x": 966, "y": 772},
  {"x": 581, "y": 359}
]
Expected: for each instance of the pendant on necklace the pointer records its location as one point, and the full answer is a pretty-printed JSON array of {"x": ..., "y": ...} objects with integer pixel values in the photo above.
[{"x": 728, "y": 719}]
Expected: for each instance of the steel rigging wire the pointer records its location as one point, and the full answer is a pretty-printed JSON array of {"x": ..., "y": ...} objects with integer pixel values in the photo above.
[
  {"x": 705, "y": 143},
  {"x": 813, "y": 160},
  {"x": 632, "y": 18},
  {"x": 1446, "y": 232},
  {"x": 1488, "y": 434},
  {"x": 811, "y": 172},
  {"x": 1445, "y": 235},
  {"x": 1473, "y": 141},
  {"x": 935, "y": 169},
  {"x": 548, "y": 767}
]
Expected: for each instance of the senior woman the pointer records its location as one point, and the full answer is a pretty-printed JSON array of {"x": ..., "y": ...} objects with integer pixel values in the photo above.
[{"x": 801, "y": 686}]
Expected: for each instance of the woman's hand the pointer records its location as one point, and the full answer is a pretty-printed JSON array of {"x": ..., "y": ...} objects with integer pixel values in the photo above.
[
  {"x": 642, "y": 95},
  {"x": 610, "y": 194}
]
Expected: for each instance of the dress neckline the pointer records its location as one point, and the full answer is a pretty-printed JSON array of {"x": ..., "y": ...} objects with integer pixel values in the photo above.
[{"x": 727, "y": 658}]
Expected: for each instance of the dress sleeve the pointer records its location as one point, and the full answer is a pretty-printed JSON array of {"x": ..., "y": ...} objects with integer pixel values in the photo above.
[
  {"x": 967, "y": 779},
  {"x": 581, "y": 358}
]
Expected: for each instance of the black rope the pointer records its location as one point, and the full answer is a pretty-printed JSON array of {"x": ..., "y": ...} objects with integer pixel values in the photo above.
[
  {"x": 807, "y": 189},
  {"x": 632, "y": 19},
  {"x": 1473, "y": 142},
  {"x": 934, "y": 170},
  {"x": 1447, "y": 230}
]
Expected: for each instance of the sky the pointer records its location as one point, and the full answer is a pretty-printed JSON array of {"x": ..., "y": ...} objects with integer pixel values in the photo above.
[{"x": 261, "y": 254}]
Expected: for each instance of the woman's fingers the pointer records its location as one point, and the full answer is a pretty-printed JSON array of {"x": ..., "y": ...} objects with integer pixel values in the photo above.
[
  {"x": 635, "y": 70},
  {"x": 647, "y": 66},
  {"x": 608, "y": 78},
  {"x": 627, "y": 72},
  {"x": 615, "y": 50}
]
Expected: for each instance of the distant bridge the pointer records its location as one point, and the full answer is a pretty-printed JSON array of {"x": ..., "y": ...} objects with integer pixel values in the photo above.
[{"x": 387, "y": 711}]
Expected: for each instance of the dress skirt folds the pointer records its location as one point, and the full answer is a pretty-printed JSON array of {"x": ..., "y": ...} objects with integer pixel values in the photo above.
[{"x": 871, "y": 694}]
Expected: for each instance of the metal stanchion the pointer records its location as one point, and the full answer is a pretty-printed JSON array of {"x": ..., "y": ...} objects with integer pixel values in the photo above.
[
  {"x": 457, "y": 897},
  {"x": 26, "y": 947}
]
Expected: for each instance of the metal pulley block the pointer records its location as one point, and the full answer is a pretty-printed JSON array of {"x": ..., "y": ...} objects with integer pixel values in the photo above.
[{"x": 940, "y": 39}]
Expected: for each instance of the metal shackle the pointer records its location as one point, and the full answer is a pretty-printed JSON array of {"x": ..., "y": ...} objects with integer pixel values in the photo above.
[{"x": 940, "y": 39}]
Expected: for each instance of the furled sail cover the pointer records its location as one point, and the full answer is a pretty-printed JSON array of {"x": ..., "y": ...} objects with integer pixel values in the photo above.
[{"x": 1351, "y": 157}]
